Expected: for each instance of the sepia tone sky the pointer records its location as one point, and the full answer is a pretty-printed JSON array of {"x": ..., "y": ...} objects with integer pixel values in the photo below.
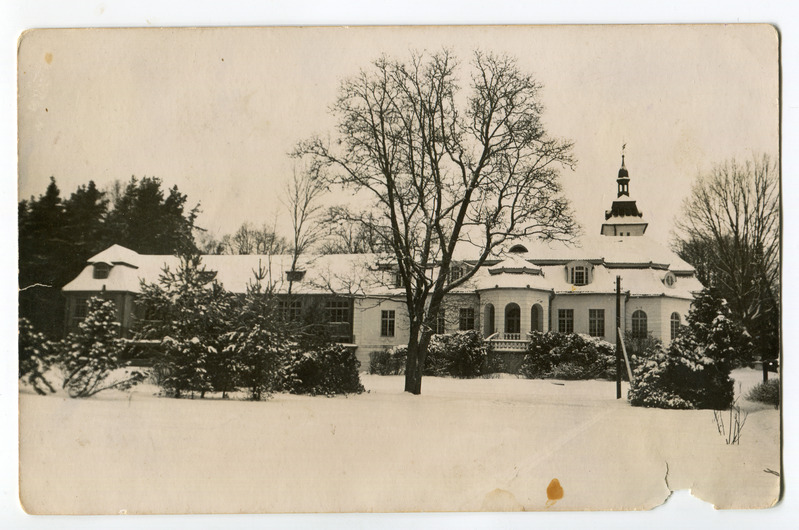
[{"x": 214, "y": 111}]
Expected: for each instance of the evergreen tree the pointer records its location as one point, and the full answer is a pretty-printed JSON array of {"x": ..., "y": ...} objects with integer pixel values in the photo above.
[
  {"x": 89, "y": 356},
  {"x": 695, "y": 370},
  {"x": 145, "y": 220},
  {"x": 35, "y": 357},
  {"x": 259, "y": 340},
  {"x": 43, "y": 243},
  {"x": 190, "y": 313}
]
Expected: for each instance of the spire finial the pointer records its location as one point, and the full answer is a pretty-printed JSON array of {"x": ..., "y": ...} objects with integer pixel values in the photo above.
[{"x": 623, "y": 147}]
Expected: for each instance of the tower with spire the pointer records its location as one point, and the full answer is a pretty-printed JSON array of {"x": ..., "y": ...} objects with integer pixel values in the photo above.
[{"x": 623, "y": 219}]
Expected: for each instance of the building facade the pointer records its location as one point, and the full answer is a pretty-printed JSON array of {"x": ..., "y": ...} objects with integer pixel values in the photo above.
[{"x": 530, "y": 286}]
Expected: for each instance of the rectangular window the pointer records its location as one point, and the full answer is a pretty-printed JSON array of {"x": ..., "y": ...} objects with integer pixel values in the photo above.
[
  {"x": 566, "y": 320},
  {"x": 397, "y": 280},
  {"x": 338, "y": 311},
  {"x": 579, "y": 275},
  {"x": 291, "y": 310},
  {"x": 456, "y": 273},
  {"x": 596, "y": 322},
  {"x": 466, "y": 318},
  {"x": 81, "y": 310},
  {"x": 387, "y": 318},
  {"x": 338, "y": 318},
  {"x": 440, "y": 327}
]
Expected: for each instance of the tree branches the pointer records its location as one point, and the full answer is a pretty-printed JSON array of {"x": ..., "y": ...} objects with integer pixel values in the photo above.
[
  {"x": 730, "y": 231},
  {"x": 442, "y": 169}
]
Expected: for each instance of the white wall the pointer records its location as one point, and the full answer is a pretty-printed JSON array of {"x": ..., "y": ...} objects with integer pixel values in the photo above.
[
  {"x": 367, "y": 316},
  {"x": 658, "y": 312},
  {"x": 581, "y": 303},
  {"x": 669, "y": 306}
]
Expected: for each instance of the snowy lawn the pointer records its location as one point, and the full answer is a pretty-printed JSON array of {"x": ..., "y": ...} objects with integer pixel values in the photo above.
[{"x": 483, "y": 444}]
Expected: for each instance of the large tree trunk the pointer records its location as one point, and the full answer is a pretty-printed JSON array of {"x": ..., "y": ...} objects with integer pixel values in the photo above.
[{"x": 417, "y": 353}]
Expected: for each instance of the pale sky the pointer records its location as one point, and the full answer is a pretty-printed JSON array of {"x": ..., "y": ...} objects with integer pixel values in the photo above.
[{"x": 215, "y": 111}]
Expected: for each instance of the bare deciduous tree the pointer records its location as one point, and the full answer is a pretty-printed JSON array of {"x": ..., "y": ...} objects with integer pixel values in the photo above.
[
  {"x": 301, "y": 198},
  {"x": 250, "y": 240},
  {"x": 444, "y": 170},
  {"x": 730, "y": 231},
  {"x": 354, "y": 233}
]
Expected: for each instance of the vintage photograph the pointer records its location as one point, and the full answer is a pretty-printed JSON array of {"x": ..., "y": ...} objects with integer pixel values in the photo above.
[{"x": 399, "y": 269}]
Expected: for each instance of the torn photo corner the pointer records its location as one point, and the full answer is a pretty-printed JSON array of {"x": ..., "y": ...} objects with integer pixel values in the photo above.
[{"x": 399, "y": 269}]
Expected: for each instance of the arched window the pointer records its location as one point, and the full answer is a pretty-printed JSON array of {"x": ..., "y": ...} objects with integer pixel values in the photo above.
[
  {"x": 513, "y": 319},
  {"x": 518, "y": 249},
  {"x": 488, "y": 320},
  {"x": 675, "y": 325},
  {"x": 639, "y": 324},
  {"x": 537, "y": 318}
]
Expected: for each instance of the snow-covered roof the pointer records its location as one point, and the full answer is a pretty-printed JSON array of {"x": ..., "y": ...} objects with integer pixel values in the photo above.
[
  {"x": 323, "y": 274},
  {"x": 641, "y": 262},
  {"x": 614, "y": 251},
  {"x": 115, "y": 254}
]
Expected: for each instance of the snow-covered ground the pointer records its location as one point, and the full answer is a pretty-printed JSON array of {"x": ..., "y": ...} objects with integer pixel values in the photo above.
[{"x": 463, "y": 445}]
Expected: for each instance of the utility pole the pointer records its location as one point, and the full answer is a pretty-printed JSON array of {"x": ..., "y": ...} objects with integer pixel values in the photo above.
[{"x": 618, "y": 337}]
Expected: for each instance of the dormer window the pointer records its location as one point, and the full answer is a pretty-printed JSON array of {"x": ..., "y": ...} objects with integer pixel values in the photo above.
[
  {"x": 456, "y": 273},
  {"x": 578, "y": 273},
  {"x": 670, "y": 279},
  {"x": 518, "y": 249},
  {"x": 397, "y": 280},
  {"x": 295, "y": 276},
  {"x": 101, "y": 271}
]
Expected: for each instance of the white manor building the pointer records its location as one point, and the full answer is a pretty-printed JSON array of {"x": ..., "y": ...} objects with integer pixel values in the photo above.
[{"x": 532, "y": 286}]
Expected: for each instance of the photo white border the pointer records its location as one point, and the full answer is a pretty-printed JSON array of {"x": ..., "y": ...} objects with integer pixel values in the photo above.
[{"x": 682, "y": 510}]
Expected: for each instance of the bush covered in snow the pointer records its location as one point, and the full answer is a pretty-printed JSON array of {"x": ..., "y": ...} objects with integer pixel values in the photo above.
[
  {"x": 694, "y": 372},
  {"x": 213, "y": 341},
  {"x": 35, "y": 357},
  {"x": 89, "y": 356},
  {"x": 327, "y": 370},
  {"x": 553, "y": 355},
  {"x": 767, "y": 392},
  {"x": 638, "y": 346},
  {"x": 388, "y": 361},
  {"x": 462, "y": 354}
]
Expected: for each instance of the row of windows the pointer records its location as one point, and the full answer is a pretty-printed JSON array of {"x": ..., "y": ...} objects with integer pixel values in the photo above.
[
  {"x": 466, "y": 321},
  {"x": 596, "y": 323},
  {"x": 513, "y": 318},
  {"x": 338, "y": 311}
]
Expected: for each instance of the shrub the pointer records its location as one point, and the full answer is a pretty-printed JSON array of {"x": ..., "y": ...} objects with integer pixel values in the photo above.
[
  {"x": 388, "y": 361},
  {"x": 553, "y": 355},
  {"x": 35, "y": 357},
  {"x": 328, "y": 370},
  {"x": 462, "y": 354},
  {"x": 695, "y": 370},
  {"x": 652, "y": 388},
  {"x": 88, "y": 356},
  {"x": 257, "y": 353},
  {"x": 767, "y": 392},
  {"x": 640, "y": 346},
  {"x": 183, "y": 366}
]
